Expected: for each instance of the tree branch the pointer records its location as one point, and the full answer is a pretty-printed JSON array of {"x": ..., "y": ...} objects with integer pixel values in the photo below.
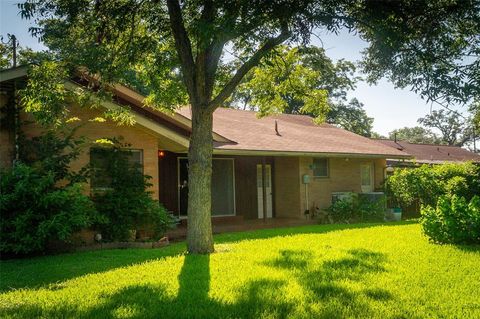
[
  {"x": 183, "y": 46},
  {"x": 204, "y": 59},
  {"x": 247, "y": 66}
]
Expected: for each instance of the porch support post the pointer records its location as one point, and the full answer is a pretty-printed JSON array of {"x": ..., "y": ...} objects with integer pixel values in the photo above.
[{"x": 264, "y": 189}]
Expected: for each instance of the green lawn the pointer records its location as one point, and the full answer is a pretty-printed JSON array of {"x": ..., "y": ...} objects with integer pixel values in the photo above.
[{"x": 383, "y": 271}]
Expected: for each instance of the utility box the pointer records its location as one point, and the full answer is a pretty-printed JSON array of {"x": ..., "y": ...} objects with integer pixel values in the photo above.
[{"x": 306, "y": 179}]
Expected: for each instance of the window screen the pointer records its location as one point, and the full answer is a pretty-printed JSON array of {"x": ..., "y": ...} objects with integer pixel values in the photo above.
[
  {"x": 99, "y": 159},
  {"x": 223, "y": 191},
  {"x": 320, "y": 167}
]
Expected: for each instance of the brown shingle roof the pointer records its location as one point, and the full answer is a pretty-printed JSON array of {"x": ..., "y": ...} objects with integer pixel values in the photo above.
[
  {"x": 297, "y": 133},
  {"x": 432, "y": 154}
]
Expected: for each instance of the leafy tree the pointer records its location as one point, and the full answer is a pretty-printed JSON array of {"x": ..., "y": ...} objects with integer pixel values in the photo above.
[
  {"x": 416, "y": 134},
  {"x": 352, "y": 117},
  {"x": 286, "y": 83},
  {"x": 377, "y": 135},
  {"x": 303, "y": 80},
  {"x": 454, "y": 129},
  {"x": 431, "y": 46},
  {"x": 4, "y": 57},
  {"x": 24, "y": 56},
  {"x": 475, "y": 110},
  {"x": 412, "y": 42}
]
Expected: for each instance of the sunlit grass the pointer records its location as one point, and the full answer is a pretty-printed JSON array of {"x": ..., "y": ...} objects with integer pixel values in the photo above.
[{"x": 383, "y": 271}]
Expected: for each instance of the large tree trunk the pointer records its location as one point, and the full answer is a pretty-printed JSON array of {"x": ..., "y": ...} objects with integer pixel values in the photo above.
[{"x": 199, "y": 232}]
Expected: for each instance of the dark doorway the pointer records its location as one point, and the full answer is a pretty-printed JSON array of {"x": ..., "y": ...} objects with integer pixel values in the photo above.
[{"x": 223, "y": 188}]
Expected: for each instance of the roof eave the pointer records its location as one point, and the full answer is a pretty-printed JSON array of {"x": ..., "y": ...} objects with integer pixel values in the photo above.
[
  {"x": 223, "y": 151},
  {"x": 13, "y": 73}
]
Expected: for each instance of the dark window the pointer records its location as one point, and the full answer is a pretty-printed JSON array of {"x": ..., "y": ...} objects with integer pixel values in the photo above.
[
  {"x": 320, "y": 167},
  {"x": 99, "y": 159}
]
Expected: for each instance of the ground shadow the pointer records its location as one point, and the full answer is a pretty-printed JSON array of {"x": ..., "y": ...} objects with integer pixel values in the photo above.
[
  {"x": 41, "y": 271},
  {"x": 325, "y": 283},
  {"x": 473, "y": 249},
  {"x": 257, "y": 298},
  {"x": 297, "y": 230}
]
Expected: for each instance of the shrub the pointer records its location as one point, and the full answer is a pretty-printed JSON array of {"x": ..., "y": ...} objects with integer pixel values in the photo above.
[
  {"x": 454, "y": 220},
  {"x": 357, "y": 207},
  {"x": 34, "y": 210},
  {"x": 126, "y": 204},
  {"x": 427, "y": 183},
  {"x": 41, "y": 199},
  {"x": 342, "y": 210},
  {"x": 370, "y": 209}
]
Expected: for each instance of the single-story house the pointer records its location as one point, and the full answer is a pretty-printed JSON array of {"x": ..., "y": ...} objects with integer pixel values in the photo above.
[
  {"x": 428, "y": 153},
  {"x": 303, "y": 163}
]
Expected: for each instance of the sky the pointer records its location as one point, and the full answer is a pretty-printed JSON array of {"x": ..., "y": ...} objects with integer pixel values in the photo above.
[{"x": 391, "y": 108}]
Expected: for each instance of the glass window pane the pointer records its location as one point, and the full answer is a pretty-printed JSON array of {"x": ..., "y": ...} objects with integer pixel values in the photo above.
[
  {"x": 320, "y": 167},
  {"x": 222, "y": 187},
  {"x": 99, "y": 162},
  {"x": 365, "y": 176}
]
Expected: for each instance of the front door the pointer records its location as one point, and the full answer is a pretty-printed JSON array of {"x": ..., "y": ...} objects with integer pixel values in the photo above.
[
  {"x": 268, "y": 187},
  {"x": 366, "y": 176},
  {"x": 223, "y": 187}
]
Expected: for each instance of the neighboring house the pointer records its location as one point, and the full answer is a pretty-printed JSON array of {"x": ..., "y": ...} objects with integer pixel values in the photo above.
[
  {"x": 428, "y": 153},
  {"x": 288, "y": 150}
]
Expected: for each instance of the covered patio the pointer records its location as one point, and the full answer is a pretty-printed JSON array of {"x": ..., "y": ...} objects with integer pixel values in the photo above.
[{"x": 238, "y": 223}]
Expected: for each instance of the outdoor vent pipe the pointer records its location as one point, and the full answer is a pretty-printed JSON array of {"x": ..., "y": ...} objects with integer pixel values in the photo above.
[{"x": 276, "y": 128}]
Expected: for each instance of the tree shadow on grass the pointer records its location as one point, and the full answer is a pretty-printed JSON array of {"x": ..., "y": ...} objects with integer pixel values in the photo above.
[
  {"x": 471, "y": 249},
  {"x": 325, "y": 284},
  {"x": 256, "y": 299},
  {"x": 322, "y": 285},
  {"x": 298, "y": 230},
  {"x": 41, "y": 271}
]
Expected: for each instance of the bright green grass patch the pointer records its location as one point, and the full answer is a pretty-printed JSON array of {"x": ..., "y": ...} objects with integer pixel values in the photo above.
[{"x": 382, "y": 271}]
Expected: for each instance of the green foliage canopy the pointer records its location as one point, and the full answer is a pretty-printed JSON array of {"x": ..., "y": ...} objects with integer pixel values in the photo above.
[
  {"x": 418, "y": 43},
  {"x": 453, "y": 220},
  {"x": 454, "y": 129},
  {"x": 428, "y": 182},
  {"x": 288, "y": 80},
  {"x": 416, "y": 134},
  {"x": 41, "y": 198},
  {"x": 126, "y": 204},
  {"x": 283, "y": 81}
]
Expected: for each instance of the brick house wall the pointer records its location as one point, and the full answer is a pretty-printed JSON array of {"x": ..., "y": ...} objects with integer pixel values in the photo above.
[
  {"x": 286, "y": 187},
  {"x": 7, "y": 138},
  {"x": 344, "y": 176},
  {"x": 136, "y": 135}
]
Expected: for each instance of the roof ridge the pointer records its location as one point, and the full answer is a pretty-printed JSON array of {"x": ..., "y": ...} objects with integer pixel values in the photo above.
[{"x": 405, "y": 141}]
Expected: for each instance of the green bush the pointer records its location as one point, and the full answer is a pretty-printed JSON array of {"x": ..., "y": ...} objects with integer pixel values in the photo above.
[
  {"x": 342, "y": 210},
  {"x": 41, "y": 198},
  {"x": 126, "y": 204},
  {"x": 369, "y": 209},
  {"x": 427, "y": 183},
  {"x": 357, "y": 208},
  {"x": 454, "y": 220},
  {"x": 34, "y": 210}
]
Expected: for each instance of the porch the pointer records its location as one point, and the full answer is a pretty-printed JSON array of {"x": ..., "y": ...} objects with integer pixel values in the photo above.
[
  {"x": 239, "y": 186},
  {"x": 243, "y": 187},
  {"x": 238, "y": 224}
]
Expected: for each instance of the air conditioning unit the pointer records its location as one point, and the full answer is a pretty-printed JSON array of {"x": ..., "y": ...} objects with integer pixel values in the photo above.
[
  {"x": 336, "y": 196},
  {"x": 373, "y": 196}
]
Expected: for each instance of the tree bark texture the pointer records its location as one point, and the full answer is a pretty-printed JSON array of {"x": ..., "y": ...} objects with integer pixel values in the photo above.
[
  {"x": 199, "y": 232},
  {"x": 199, "y": 77}
]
